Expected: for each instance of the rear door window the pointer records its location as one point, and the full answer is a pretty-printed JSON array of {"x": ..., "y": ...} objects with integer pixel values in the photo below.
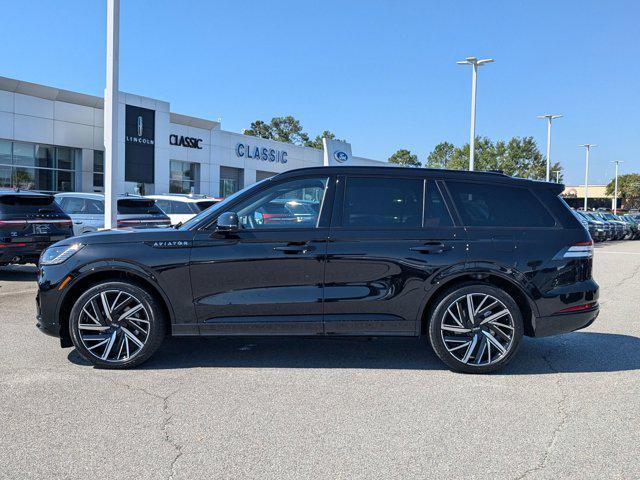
[
  {"x": 492, "y": 205},
  {"x": 383, "y": 202},
  {"x": 436, "y": 213}
]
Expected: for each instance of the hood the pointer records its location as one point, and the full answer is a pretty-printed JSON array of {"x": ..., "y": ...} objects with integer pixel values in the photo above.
[{"x": 137, "y": 235}]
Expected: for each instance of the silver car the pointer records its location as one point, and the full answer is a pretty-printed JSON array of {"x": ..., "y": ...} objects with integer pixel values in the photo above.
[{"x": 87, "y": 211}]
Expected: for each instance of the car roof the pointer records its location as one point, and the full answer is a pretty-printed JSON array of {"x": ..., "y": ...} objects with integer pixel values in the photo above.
[
  {"x": 24, "y": 193},
  {"x": 96, "y": 196},
  {"x": 182, "y": 198},
  {"x": 400, "y": 171}
]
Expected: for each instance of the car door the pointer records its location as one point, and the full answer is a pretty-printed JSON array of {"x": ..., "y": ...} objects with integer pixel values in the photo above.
[
  {"x": 267, "y": 277},
  {"x": 386, "y": 251},
  {"x": 75, "y": 207}
]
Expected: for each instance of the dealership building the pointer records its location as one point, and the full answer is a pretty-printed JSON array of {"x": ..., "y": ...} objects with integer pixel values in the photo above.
[{"x": 52, "y": 140}]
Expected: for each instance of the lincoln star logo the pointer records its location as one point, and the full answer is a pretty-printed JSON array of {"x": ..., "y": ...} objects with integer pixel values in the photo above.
[
  {"x": 139, "y": 125},
  {"x": 170, "y": 244},
  {"x": 340, "y": 156}
]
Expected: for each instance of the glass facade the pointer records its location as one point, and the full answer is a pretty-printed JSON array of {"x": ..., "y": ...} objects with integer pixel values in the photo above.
[
  {"x": 32, "y": 166},
  {"x": 184, "y": 177}
]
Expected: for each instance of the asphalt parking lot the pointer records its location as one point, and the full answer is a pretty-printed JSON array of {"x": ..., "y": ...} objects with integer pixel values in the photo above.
[{"x": 567, "y": 407}]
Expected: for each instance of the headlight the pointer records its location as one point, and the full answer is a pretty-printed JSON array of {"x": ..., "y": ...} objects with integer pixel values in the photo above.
[{"x": 57, "y": 255}]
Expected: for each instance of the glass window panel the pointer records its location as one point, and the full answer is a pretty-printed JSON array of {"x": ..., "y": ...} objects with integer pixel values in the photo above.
[
  {"x": 5, "y": 177},
  {"x": 436, "y": 212},
  {"x": 5, "y": 152},
  {"x": 486, "y": 205},
  {"x": 98, "y": 180},
  {"x": 65, "y": 158},
  {"x": 283, "y": 206},
  {"x": 44, "y": 156},
  {"x": 98, "y": 161},
  {"x": 23, "y": 154},
  {"x": 383, "y": 202},
  {"x": 24, "y": 178},
  {"x": 65, "y": 181}
]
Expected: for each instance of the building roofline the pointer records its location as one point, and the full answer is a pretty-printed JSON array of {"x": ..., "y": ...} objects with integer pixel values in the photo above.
[{"x": 49, "y": 93}]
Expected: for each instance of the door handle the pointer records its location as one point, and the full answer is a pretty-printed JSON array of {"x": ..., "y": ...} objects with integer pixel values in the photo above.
[
  {"x": 294, "y": 248},
  {"x": 430, "y": 247},
  {"x": 77, "y": 223}
]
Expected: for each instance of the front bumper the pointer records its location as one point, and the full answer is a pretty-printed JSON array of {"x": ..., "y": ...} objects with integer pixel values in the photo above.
[{"x": 564, "y": 322}]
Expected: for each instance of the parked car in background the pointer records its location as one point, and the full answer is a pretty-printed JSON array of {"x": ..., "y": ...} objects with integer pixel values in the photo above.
[
  {"x": 181, "y": 208},
  {"x": 607, "y": 227},
  {"x": 633, "y": 224},
  {"x": 596, "y": 231},
  {"x": 622, "y": 227},
  {"x": 390, "y": 251},
  {"x": 87, "y": 211},
  {"x": 29, "y": 223}
]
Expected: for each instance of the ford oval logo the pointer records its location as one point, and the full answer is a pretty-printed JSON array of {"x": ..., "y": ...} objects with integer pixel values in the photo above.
[{"x": 340, "y": 156}]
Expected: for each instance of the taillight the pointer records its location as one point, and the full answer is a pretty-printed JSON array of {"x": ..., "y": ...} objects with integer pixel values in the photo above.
[
  {"x": 578, "y": 250},
  {"x": 7, "y": 245},
  {"x": 578, "y": 308},
  {"x": 13, "y": 223}
]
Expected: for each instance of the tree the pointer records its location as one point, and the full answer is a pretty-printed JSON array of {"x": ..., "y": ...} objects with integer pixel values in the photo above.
[
  {"x": 519, "y": 157},
  {"x": 317, "y": 142},
  {"x": 405, "y": 158},
  {"x": 628, "y": 189},
  {"x": 282, "y": 129},
  {"x": 440, "y": 157}
]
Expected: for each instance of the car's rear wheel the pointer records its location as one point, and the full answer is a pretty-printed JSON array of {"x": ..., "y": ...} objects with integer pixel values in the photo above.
[
  {"x": 475, "y": 328},
  {"x": 116, "y": 325}
]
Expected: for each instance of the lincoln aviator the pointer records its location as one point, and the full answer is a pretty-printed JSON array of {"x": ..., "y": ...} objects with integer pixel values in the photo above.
[{"x": 473, "y": 261}]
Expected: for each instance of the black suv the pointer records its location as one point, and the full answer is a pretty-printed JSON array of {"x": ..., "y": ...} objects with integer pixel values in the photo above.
[
  {"x": 474, "y": 261},
  {"x": 29, "y": 223}
]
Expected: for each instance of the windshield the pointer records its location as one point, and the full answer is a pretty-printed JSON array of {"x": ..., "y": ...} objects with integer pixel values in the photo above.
[{"x": 218, "y": 207}]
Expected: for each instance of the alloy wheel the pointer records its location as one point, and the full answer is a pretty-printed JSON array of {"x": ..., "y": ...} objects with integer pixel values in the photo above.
[
  {"x": 114, "y": 326},
  {"x": 477, "y": 329}
]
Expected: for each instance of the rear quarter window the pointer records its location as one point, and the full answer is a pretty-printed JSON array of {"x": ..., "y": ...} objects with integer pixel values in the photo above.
[{"x": 493, "y": 205}]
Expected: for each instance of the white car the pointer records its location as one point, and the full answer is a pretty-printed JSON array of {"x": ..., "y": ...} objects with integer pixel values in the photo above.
[
  {"x": 86, "y": 210},
  {"x": 181, "y": 208}
]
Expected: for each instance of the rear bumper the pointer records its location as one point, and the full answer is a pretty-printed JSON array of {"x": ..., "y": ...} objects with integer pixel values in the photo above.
[
  {"x": 565, "y": 322},
  {"x": 30, "y": 253}
]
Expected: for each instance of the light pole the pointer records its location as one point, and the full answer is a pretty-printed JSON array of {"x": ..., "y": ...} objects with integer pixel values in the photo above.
[
  {"x": 587, "y": 147},
  {"x": 558, "y": 175},
  {"x": 549, "y": 118},
  {"x": 111, "y": 114},
  {"x": 615, "y": 188},
  {"x": 473, "y": 61}
]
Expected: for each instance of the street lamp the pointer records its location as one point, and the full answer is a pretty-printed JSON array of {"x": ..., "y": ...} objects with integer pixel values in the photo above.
[
  {"x": 615, "y": 190},
  {"x": 472, "y": 141},
  {"x": 557, "y": 172},
  {"x": 111, "y": 114},
  {"x": 549, "y": 118},
  {"x": 587, "y": 147}
]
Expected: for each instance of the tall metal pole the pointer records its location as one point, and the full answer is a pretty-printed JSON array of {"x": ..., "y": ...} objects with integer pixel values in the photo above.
[
  {"x": 615, "y": 190},
  {"x": 587, "y": 146},
  {"x": 111, "y": 114},
  {"x": 548, "y": 147},
  {"x": 475, "y": 63},
  {"x": 472, "y": 136},
  {"x": 549, "y": 119}
]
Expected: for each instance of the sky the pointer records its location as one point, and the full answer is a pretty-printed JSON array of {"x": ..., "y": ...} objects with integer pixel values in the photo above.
[{"x": 381, "y": 74}]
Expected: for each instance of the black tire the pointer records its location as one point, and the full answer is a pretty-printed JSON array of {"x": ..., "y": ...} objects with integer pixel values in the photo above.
[
  {"x": 155, "y": 322},
  {"x": 437, "y": 317}
]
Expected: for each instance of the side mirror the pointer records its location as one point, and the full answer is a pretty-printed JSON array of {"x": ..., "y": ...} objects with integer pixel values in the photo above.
[{"x": 227, "y": 223}]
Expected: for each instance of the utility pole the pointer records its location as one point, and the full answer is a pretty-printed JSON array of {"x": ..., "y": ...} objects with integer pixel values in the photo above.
[
  {"x": 111, "y": 114},
  {"x": 587, "y": 147},
  {"x": 549, "y": 118},
  {"x": 615, "y": 190},
  {"x": 473, "y": 61}
]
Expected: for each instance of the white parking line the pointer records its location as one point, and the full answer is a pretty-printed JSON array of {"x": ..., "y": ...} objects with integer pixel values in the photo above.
[{"x": 621, "y": 253}]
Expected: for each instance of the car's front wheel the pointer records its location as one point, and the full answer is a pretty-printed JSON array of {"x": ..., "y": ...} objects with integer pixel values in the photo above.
[
  {"x": 116, "y": 324},
  {"x": 475, "y": 328}
]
